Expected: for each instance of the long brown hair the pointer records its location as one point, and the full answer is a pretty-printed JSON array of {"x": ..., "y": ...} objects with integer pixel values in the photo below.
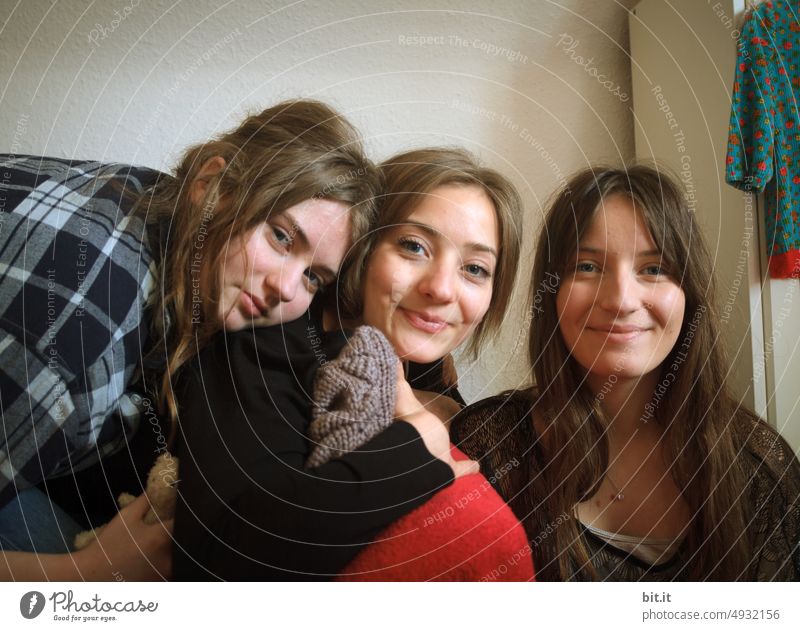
[
  {"x": 699, "y": 415},
  {"x": 408, "y": 178},
  {"x": 289, "y": 153}
]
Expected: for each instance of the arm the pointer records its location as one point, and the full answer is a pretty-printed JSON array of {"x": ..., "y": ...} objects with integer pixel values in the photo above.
[
  {"x": 247, "y": 508},
  {"x": 29, "y": 566},
  {"x": 67, "y": 233},
  {"x": 362, "y": 392},
  {"x": 126, "y": 549},
  {"x": 34, "y": 418},
  {"x": 431, "y": 425},
  {"x": 773, "y": 474}
]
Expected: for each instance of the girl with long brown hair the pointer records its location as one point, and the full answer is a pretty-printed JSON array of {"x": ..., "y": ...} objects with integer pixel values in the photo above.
[
  {"x": 638, "y": 462},
  {"x": 436, "y": 271},
  {"x": 248, "y": 229},
  {"x": 253, "y": 224}
]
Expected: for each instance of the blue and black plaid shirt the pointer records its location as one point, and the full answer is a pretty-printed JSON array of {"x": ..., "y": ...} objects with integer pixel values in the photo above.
[{"x": 76, "y": 273}]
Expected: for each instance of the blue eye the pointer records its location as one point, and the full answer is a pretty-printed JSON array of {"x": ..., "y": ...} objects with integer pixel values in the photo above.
[
  {"x": 586, "y": 267},
  {"x": 282, "y": 238},
  {"x": 411, "y": 245},
  {"x": 655, "y": 270}
]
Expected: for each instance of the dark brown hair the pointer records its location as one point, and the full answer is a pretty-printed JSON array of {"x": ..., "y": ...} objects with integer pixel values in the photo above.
[{"x": 698, "y": 413}]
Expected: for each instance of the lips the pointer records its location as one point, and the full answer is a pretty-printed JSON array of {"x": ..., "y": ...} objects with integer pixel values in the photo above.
[
  {"x": 426, "y": 322},
  {"x": 252, "y": 305},
  {"x": 259, "y": 303},
  {"x": 618, "y": 333}
]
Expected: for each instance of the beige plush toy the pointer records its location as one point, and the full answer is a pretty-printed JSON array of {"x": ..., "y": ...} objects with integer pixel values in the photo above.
[{"x": 161, "y": 491}]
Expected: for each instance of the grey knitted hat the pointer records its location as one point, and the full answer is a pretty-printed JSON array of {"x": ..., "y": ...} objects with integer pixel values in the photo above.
[{"x": 354, "y": 396}]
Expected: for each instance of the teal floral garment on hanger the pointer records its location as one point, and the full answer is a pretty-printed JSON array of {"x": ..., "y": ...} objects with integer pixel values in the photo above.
[{"x": 764, "y": 135}]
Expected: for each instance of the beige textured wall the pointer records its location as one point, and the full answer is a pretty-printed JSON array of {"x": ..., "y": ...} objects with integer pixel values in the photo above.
[{"x": 518, "y": 82}]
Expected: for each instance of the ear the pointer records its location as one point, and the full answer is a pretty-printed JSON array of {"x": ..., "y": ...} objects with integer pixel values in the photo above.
[{"x": 209, "y": 170}]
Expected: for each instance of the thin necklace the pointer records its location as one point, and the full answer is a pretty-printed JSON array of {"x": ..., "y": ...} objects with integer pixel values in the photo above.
[
  {"x": 618, "y": 495},
  {"x": 619, "y": 492}
]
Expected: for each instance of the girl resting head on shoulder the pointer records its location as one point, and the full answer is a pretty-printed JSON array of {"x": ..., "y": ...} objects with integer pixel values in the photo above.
[
  {"x": 255, "y": 223},
  {"x": 305, "y": 482}
]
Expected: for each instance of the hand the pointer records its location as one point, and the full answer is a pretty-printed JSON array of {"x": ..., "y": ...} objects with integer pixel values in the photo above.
[
  {"x": 127, "y": 549},
  {"x": 406, "y": 403},
  {"x": 434, "y": 434},
  {"x": 437, "y": 441},
  {"x": 440, "y": 405}
]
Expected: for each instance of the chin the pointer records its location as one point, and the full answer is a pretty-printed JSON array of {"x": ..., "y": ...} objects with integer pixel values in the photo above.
[
  {"x": 613, "y": 374},
  {"x": 419, "y": 353},
  {"x": 233, "y": 324}
]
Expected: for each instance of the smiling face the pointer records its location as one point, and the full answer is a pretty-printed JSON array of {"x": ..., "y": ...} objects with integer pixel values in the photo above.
[
  {"x": 620, "y": 311},
  {"x": 429, "y": 279},
  {"x": 270, "y": 275}
]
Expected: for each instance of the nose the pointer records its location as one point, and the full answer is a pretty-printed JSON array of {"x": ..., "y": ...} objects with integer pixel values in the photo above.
[
  {"x": 619, "y": 293},
  {"x": 282, "y": 284},
  {"x": 439, "y": 283}
]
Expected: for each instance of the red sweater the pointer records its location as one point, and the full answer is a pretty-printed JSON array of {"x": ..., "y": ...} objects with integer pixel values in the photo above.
[{"x": 465, "y": 532}]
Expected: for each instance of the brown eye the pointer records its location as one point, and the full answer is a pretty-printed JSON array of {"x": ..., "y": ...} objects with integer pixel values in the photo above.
[{"x": 314, "y": 281}]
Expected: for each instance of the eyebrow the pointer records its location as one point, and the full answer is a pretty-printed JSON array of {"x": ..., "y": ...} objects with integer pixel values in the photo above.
[
  {"x": 473, "y": 245},
  {"x": 601, "y": 251},
  {"x": 297, "y": 233}
]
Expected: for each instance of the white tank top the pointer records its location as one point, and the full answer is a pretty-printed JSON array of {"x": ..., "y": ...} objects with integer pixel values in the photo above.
[{"x": 651, "y": 550}]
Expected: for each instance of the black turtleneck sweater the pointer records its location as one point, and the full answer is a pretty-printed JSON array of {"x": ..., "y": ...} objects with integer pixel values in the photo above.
[{"x": 247, "y": 509}]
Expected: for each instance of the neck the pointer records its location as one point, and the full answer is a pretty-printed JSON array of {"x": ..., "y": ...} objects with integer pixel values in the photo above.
[
  {"x": 625, "y": 403},
  {"x": 332, "y": 321}
]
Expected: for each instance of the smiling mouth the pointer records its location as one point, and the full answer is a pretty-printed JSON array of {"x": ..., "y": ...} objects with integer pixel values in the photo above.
[
  {"x": 618, "y": 334},
  {"x": 426, "y": 323}
]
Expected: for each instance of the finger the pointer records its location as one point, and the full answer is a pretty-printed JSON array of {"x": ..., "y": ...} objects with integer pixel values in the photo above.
[
  {"x": 137, "y": 508},
  {"x": 465, "y": 467}
]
